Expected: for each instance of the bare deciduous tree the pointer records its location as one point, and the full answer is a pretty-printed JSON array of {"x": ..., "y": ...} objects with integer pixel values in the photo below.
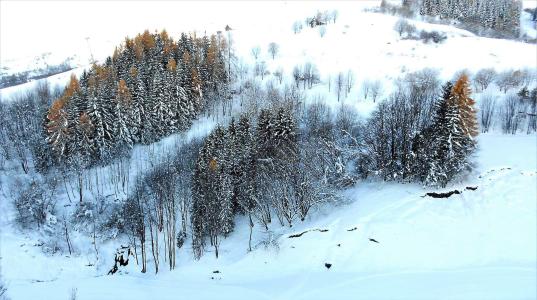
[
  {"x": 509, "y": 114},
  {"x": 366, "y": 88},
  {"x": 340, "y": 83},
  {"x": 350, "y": 81},
  {"x": 483, "y": 78},
  {"x": 334, "y": 14},
  {"x": 255, "y": 52},
  {"x": 487, "y": 107},
  {"x": 260, "y": 69},
  {"x": 376, "y": 89},
  {"x": 279, "y": 74},
  {"x": 273, "y": 49}
]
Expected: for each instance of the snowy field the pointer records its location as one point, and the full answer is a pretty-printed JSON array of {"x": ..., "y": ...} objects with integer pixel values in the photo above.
[
  {"x": 363, "y": 42},
  {"x": 480, "y": 244},
  {"x": 477, "y": 245}
]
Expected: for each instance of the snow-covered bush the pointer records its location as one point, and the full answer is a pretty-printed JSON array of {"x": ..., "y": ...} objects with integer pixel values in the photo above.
[
  {"x": 322, "y": 30},
  {"x": 112, "y": 218},
  {"x": 509, "y": 79},
  {"x": 483, "y": 78},
  {"x": 269, "y": 242},
  {"x": 35, "y": 206},
  {"x": 297, "y": 27},
  {"x": 73, "y": 295},
  {"x": 84, "y": 214},
  {"x": 402, "y": 26},
  {"x": 435, "y": 36}
]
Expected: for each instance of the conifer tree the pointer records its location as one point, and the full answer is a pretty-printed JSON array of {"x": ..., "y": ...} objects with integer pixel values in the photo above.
[
  {"x": 460, "y": 96},
  {"x": 58, "y": 129},
  {"x": 443, "y": 149}
]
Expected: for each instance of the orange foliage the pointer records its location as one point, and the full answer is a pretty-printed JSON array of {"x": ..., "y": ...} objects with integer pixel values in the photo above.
[
  {"x": 212, "y": 52},
  {"x": 129, "y": 43},
  {"x": 186, "y": 58},
  {"x": 55, "y": 108},
  {"x": 164, "y": 35},
  {"x": 461, "y": 97},
  {"x": 57, "y": 118},
  {"x": 72, "y": 87},
  {"x": 133, "y": 71},
  {"x": 213, "y": 165},
  {"x": 172, "y": 65},
  {"x": 148, "y": 40},
  {"x": 124, "y": 95},
  {"x": 196, "y": 81}
]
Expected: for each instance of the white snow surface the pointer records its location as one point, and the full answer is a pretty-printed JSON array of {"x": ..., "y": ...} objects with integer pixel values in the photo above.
[
  {"x": 478, "y": 245},
  {"x": 363, "y": 42}
]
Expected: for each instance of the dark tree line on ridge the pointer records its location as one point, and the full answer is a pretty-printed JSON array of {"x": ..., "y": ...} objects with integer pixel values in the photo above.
[{"x": 502, "y": 15}]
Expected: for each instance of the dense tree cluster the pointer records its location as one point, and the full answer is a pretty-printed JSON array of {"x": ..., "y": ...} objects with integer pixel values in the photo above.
[
  {"x": 151, "y": 87},
  {"x": 21, "y": 134},
  {"x": 272, "y": 169},
  {"x": 501, "y": 15},
  {"x": 406, "y": 140},
  {"x": 232, "y": 169}
]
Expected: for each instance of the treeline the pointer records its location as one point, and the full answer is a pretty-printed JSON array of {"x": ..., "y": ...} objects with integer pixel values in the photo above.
[
  {"x": 275, "y": 169},
  {"x": 501, "y": 15},
  {"x": 248, "y": 169},
  {"x": 151, "y": 87},
  {"x": 277, "y": 164},
  {"x": 515, "y": 112},
  {"x": 21, "y": 134},
  {"x": 412, "y": 136},
  {"x": 26, "y": 76}
]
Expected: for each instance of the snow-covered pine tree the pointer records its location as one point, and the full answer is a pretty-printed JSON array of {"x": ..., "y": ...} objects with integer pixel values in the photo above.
[
  {"x": 450, "y": 144},
  {"x": 157, "y": 105},
  {"x": 140, "y": 117},
  {"x": 245, "y": 170},
  {"x": 123, "y": 102},
  {"x": 101, "y": 113},
  {"x": 223, "y": 188},
  {"x": 234, "y": 151},
  {"x": 199, "y": 206},
  {"x": 85, "y": 146},
  {"x": 422, "y": 155},
  {"x": 264, "y": 132}
]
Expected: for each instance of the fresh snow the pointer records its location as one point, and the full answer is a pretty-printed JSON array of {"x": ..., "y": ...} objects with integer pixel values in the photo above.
[{"x": 478, "y": 245}]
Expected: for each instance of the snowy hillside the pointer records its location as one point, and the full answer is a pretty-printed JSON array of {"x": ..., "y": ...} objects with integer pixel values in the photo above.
[
  {"x": 380, "y": 240},
  {"x": 477, "y": 245},
  {"x": 366, "y": 42}
]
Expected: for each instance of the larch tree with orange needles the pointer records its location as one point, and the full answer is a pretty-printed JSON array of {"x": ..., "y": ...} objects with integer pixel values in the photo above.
[{"x": 460, "y": 95}]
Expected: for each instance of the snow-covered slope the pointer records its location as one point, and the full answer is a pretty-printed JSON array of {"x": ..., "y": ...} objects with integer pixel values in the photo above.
[
  {"x": 477, "y": 245},
  {"x": 360, "y": 41}
]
